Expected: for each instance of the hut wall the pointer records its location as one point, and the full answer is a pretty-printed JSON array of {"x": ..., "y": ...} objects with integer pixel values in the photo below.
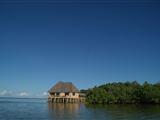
[
  {"x": 62, "y": 94},
  {"x": 74, "y": 95},
  {"x": 70, "y": 94}
]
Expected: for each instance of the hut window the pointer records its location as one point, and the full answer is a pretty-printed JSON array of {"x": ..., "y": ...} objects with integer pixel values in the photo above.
[
  {"x": 67, "y": 93},
  {"x": 73, "y": 94}
]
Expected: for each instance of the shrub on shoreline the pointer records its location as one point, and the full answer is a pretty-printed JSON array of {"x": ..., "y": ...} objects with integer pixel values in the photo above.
[{"x": 124, "y": 93}]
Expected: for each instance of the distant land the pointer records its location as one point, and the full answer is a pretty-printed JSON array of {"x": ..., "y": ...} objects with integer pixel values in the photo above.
[{"x": 124, "y": 93}]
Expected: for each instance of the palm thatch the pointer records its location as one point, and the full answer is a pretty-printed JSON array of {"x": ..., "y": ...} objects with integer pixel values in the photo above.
[{"x": 65, "y": 87}]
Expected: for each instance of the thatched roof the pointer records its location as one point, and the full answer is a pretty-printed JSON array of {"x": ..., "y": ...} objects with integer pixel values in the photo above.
[{"x": 63, "y": 87}]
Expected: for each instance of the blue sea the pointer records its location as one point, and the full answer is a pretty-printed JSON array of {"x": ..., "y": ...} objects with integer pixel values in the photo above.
[{"x": 40, "y": 109}]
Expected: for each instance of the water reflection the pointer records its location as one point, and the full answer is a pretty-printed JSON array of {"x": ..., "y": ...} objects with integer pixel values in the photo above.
[
  {"x": 129, "y": 112},
  {"x": 61, "y": 111}
]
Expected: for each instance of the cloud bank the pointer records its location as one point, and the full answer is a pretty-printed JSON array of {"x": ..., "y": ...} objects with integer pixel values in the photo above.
[
  {"x": 22, "y": 94},
  {"x": 6, "y": 93}
]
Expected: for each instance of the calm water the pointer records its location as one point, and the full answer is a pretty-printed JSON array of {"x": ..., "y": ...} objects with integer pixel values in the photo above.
[{"x": 39, "y": 109}]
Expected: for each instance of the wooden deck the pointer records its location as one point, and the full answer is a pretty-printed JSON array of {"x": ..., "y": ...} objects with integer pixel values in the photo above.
[{"x": 63, "y": 100}]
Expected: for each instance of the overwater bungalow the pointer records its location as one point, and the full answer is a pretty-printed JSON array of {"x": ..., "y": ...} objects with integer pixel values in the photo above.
[{"x": 64, "y": 92}]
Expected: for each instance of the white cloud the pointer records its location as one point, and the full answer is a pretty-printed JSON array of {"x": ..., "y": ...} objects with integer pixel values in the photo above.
[
  {"x": 23, "y": 94},
  {"x": 6, "y": 93},
  {"x": 41, "y": 95},
  {"x": 45, "y": 94}
]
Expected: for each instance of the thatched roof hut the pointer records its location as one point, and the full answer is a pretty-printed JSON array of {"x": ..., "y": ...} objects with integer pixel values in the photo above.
[{"x": 64, "y": 87}]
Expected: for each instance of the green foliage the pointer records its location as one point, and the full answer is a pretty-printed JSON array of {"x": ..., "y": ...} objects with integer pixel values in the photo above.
[{"x": 124, "y": 93}]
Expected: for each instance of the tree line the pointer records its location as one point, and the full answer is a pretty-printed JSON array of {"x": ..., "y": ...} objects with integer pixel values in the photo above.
[{"x": 124, "y": 93}]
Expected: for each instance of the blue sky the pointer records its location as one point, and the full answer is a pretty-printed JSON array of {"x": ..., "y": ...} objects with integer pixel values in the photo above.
[{"x": 87, "y": 43}]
